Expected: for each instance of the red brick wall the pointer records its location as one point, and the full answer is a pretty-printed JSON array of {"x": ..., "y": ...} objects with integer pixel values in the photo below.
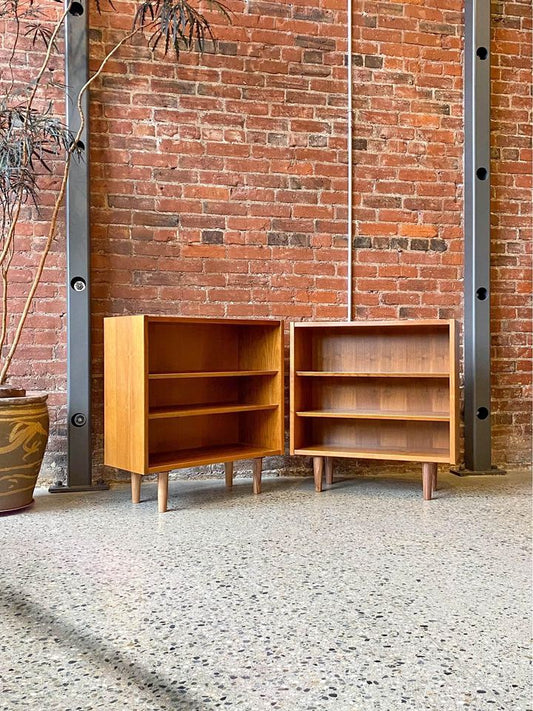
[
  {"x": 219, "y": 183},
  {"x": 511, "y": 208}
]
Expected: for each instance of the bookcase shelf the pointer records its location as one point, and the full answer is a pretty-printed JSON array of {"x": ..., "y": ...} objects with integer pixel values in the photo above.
[
  {"x": 376, "y": 390},
  {"x": 211, "y": 374},
  {"x": 326, "y": 374},
  {"x": 207, "y": 409},
  {"x": 209, "y": 455},
  {"x": 378, "y": 415},
  {"x": 399, "y": 455},
  {"x": 183, "y": 392}
]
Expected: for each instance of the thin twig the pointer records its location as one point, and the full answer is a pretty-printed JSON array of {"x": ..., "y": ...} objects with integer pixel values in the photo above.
[
  {"x": 57, "y": 205},
  {"x": 20, "y": 195},
  {"x": 62, "y": 189},
  {"x": 4, "y": 307}
]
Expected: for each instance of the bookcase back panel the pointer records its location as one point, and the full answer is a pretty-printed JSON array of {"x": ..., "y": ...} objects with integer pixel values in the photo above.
[
  {"x": 197, "y": 347},
  {"x": 375, "y": 350},
  {"x": 261, "y": 390},
  {"x": 184, "y": 347},
  {"x": 377, "y": 394},
  {"x": 259, "y": 429},
  {"x": 197, "y": 391},
  {"x": 389, "y": 436},
  {"x": 169, "y": 435}
]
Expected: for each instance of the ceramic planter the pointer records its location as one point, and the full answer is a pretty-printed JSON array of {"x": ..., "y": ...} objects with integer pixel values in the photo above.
[{"x": 23, "y": 438}]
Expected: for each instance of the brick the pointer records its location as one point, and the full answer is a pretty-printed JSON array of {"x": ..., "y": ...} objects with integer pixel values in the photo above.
[{"x": 219, "y": 184}]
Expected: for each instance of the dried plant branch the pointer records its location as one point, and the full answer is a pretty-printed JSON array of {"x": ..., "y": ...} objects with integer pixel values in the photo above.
[
  {"x": 72, "y": 149},
  {"x": 29, "y": 137},
  {"x": 25, "y": 158}
]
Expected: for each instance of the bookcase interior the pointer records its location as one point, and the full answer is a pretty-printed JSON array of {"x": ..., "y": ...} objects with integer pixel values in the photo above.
[
  {"x": 424, "y": 397},
  {"x": 172, "y": 440},
  {"x": 374, "y": 350},
  {"x": 388, "y": 439},
  {"x": 376, "y": 391},
  {"x": 210, "y": 347}
]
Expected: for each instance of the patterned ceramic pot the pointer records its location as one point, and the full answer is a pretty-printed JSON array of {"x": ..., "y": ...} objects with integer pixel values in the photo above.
[{"x": 23, "y": 438}]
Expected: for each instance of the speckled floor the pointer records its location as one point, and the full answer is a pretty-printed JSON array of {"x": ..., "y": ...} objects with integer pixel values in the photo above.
[{"x": 362, "y": 598}]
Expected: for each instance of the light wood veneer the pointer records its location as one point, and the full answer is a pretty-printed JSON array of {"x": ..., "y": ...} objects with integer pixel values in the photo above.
[
  {"x": 183, "y": 392},
  {"x": 375, "y": 390}
]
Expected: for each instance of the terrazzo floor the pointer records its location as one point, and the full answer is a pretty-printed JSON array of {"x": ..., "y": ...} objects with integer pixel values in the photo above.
[{"x": 362, "y": 598}]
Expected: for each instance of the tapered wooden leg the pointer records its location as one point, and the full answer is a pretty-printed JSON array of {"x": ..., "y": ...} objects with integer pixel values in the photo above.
[
  {"x": 429, "y": 472},
  {"x": 318, "y": 470},
  {"x": 228, "y": 466},
  {"x": 328, "y": 466},
  {"x": 257, "y": 471},
  {"x": 435, "y": 478},
  {"x": 162, "y": 491},
  {"x": 136, "y": 488}
]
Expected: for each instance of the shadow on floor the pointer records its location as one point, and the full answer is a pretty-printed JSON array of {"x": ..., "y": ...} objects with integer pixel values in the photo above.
[
  {"x": 187, "y": 494},
  {"x": 103, "y": 656},
  {"x": 191, "y": 494}
]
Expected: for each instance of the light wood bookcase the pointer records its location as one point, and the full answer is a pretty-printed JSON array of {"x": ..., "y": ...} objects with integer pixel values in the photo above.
[
  {"x": 183, "y": 392},
  {"x": 375, "y": 390}
]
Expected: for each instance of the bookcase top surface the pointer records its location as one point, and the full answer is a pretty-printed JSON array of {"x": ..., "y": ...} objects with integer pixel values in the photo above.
[
  {"x": 374, "y": 324},
  {"x": 199, "y": 320}
]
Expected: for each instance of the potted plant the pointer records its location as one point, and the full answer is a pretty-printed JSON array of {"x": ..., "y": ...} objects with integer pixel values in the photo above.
[{"x": 36, "y": 144}]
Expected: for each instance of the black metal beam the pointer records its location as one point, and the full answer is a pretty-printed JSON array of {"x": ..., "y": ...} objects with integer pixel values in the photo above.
[
  {"x": 79, "y": 472},
  {"x": 477, "y": 361}
]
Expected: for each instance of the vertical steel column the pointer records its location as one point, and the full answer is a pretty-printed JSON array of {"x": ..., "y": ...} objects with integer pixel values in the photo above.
[
  {"x": 477, "y": 414},
  {"x": 78, "y": 261}
]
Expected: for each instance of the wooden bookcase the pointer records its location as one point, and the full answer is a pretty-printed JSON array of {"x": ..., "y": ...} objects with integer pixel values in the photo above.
[
  {"x": 375, "y": 390},
  {"x": 183, "y": 392}
]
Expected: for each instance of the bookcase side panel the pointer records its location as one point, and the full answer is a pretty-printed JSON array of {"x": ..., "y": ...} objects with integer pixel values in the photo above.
[
  {"x": 454, "y": 392},
  {"x": 299, "y": 359},
  {"x": 261, "y": 348},
  {"x": 280, "y": 391},
  {"x": 125, "y": 394},
  {"x": 260, "y": 429},
  {"x": 258, "y": 347}
]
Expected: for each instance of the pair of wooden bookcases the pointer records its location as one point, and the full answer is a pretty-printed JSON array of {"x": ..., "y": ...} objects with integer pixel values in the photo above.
[{"x": 183, "y": 392}]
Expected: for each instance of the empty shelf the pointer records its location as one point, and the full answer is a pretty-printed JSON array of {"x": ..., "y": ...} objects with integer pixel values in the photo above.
[
  {"x": 401, "y": 454},
  {"x": 214, "y": 408},
  {"x": 377, "y": 415},
  {"x": 210, "y": 374},
  {"x": 165, "y": 461},
  {"x": 341, "y": 374}
]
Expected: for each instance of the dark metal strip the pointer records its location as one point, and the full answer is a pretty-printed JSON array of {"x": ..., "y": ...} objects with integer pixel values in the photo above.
[
  {"x": 477, "y": 415},
  {"x": 78, "y": 259}
]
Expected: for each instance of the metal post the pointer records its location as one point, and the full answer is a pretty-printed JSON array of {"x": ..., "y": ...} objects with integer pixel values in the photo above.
[
  {"x": 78, "y": 263},
  {"x": 477, "y": 415}
]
